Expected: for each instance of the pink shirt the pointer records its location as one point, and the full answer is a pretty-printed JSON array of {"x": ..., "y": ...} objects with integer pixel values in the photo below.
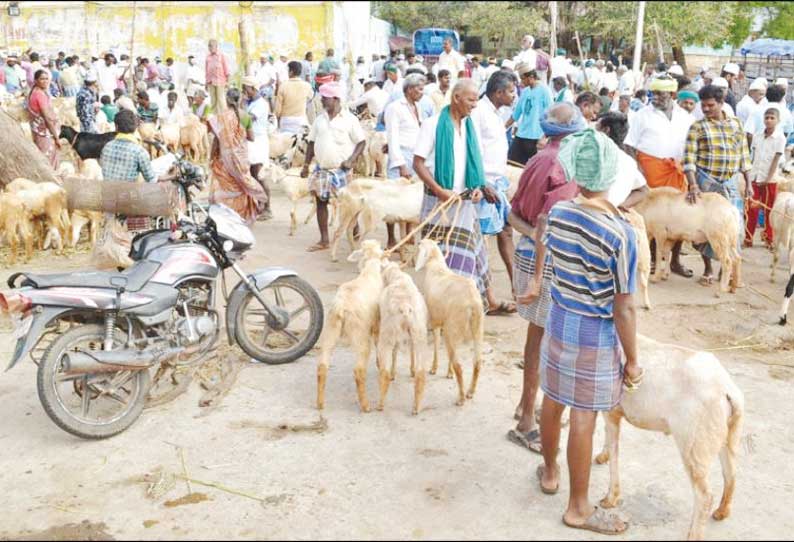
[
  {"x": 542, "y": 184},
  {"x": 216, "y": 69}
]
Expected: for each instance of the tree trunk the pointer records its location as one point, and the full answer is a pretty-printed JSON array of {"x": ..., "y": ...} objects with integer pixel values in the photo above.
[
  {"x": 242, "y": 28},
  {"x": 678, "y": 56},
  {"x": 20, "y": 157},
  {"x": 121, "y": 197}
]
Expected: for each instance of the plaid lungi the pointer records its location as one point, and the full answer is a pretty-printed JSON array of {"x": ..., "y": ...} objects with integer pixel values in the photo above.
[
  {"x": 467, "y": 255},
  {"x": 523, "y": 271},
  {"x": 729, "y": 190},
  {"x": 493, "y": 216},
  {"x": 325, "y": 183},
  {"x": 581, "y": 361}
]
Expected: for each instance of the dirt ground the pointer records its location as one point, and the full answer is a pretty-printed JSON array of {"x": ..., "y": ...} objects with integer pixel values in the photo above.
[{"x": 265, "y": 464}]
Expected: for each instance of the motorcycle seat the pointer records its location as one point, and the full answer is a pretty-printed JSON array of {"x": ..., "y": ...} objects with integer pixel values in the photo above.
[{"x": 132, "y": 279}]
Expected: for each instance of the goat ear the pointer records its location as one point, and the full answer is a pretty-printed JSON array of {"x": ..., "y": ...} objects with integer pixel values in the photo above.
[
  {"x": 355, "y": 256},
  {"x": 421, "y": 258}
]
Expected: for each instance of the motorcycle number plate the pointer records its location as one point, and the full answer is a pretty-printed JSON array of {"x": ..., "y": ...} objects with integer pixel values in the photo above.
[{"x": 22, "y": 327}]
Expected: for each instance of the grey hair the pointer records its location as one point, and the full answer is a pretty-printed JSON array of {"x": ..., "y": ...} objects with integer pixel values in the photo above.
[
  {"x": 413, "y": 80},
  {"x": 464, "y": 84},
  {"x": 500, "y": 80},
  {"x": 561, "y": 113}
]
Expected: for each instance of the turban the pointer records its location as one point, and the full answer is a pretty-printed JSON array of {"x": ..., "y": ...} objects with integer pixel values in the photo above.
[
  {"x": 249, "y": 81},
  {"x": 688, "y": 95},
  {"x": 720, "y": 82},
  {"x": 323, "y": 79},
  {"x": 331, "y": 90},
  {"x": 590, "y": 159},
  {"x": 664, "y": 85},
  {"x": 561, "y": 52},
  {"x": 555, "y": 129},
  {"x": 759, "y": 83},
  {"x": 391, "y": 68}
]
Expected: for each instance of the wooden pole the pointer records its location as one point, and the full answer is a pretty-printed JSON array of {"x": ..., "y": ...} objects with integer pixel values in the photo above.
[
  {"x": 658, "y": 42},
  {"x": 553, "y": 37},
  {"x": 638, "y": 39},
  {"x": 20, "y": 157},
  {"x": 586, "y": 85}
]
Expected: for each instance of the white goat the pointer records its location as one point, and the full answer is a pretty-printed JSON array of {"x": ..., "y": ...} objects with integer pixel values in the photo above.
[
  {"x": 669, "y": 218},
  {"x": 354, "y": 315},
  {"x": 45, "y": 201},
  {"x": 689, "y": 395},
  {"x": 403, "y": 320},
  {"x": 455, "y": 307},
  {"x": 643, "y": 254},
  {"x": 296, "y": 188},
  {"x": 782, "y": 220},
  {"x": 89, "y": 169},
  {"x": 374, "y": 202}
]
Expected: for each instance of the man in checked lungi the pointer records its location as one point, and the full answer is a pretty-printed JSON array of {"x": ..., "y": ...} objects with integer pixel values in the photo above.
[
  {"x": 448, "y": 161},
  {"x": 336, "y": 139},
  {"x": 589, "y": 352}
]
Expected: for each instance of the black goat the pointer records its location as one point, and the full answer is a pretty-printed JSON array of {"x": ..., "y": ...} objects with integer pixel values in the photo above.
[{"x": 86, "y": 145}]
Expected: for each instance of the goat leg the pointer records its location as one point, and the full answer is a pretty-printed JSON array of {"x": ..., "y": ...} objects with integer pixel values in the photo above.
[{"x": 612, "y": 420}]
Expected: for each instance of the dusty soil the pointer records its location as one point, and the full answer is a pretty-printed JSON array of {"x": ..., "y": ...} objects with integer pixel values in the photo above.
[{"x": 263, "y": 463}]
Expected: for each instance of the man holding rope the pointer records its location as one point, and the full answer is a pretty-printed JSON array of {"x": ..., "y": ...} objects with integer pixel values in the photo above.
[{"x": 448, "y": 161}]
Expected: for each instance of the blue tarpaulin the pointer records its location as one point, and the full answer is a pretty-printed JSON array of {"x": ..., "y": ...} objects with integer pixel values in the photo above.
[
  {"x": 430, "y": 41},
  {"x": 769, "y": 47}
]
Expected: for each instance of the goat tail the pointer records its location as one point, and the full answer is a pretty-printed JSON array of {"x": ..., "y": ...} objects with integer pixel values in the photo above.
[{"x": 736, "y": 404}]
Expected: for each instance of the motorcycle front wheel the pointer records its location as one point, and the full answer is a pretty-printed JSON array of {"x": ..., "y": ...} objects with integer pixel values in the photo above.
[
  {"x": 90, "y": 406},
  {"x": 277, "y": 346}
]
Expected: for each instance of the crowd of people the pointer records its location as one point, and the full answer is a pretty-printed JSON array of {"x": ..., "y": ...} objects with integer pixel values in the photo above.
[{"x": 591, "y": 139}]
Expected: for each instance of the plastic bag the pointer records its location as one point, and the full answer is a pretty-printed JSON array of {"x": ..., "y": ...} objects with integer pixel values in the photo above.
[{"x": 113, "y": 245}]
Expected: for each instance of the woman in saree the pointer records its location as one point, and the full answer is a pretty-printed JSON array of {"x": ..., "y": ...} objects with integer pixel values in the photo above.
[
  {"x": 43, "y": 121},
  {"x": 233, "y": 185}
]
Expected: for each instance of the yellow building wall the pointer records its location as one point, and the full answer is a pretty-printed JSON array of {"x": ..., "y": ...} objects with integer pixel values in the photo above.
[{"x": 173, "y": 29}]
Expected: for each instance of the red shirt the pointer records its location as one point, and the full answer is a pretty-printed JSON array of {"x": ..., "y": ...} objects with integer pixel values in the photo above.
[
  {"x": 216, "y": 69},
  {"x": 38, "y": 101},
  {"x": 542, "y": 184}
]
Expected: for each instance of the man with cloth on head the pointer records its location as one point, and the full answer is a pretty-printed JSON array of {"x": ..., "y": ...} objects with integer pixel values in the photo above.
[
  {"x": 656, "y": 139},
  {"x": 448, "y": 161},
  {"x": 541, "y": 186},
  {"x": 753, "y": 101},
  {"x": 490, "y": 129},
  {"x": 336, "y": 139}
]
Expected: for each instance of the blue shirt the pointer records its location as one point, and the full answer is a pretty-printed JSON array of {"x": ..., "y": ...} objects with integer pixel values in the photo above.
[
  {"x": 593, "y": 257},
  {"x": 531, "y": 106}
]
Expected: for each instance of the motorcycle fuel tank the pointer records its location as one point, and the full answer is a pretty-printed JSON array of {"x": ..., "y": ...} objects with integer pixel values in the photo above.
[{"x": 181, "y": 261}]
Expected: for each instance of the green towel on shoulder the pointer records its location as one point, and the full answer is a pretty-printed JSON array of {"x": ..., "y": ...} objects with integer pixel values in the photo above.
[{"x": 445, "y": 154}]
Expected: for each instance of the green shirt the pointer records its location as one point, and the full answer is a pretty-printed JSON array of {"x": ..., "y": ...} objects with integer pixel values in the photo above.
[{"x": 110, "y": 111}]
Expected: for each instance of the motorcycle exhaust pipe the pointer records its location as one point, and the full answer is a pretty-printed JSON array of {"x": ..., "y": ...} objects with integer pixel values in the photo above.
[{"x": 101, "y": 361}]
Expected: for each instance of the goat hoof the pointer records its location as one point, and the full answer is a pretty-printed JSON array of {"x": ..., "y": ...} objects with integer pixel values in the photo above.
[
  {"x": 609, "y": 502},
  {"x": 450, "y": 376},
  {"x": 365, "y": 409},
  {"x": 469, "y": 395},
  {"x": 602, "y": 458},
  {"x": 432, "y": 371},
  {"x": 414, "y": 412},
  {"x": 380, "y": 408},
  {"x": 460, "y": 402},
  {"x": 783, "y": 320},
  {"x": 720, "y": 514}
]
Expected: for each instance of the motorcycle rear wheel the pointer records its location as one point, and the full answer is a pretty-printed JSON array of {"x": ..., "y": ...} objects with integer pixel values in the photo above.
[
  {"x": 127, "y": 388},
  {"x": 261, "y": 342}
]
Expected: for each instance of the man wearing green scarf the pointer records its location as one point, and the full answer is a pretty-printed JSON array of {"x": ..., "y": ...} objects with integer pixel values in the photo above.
[{"x": 447, "y": 159}]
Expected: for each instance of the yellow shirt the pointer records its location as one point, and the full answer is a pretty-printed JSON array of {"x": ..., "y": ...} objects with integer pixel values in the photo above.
[{"x": 292, "y": 97}]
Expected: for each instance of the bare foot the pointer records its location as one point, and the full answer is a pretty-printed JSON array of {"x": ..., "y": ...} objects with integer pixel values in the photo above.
[{"x": 317, "y": 246}]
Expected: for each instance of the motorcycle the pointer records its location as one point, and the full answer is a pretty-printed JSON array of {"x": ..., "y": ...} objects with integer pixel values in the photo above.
[{"x": 106, "y": 331}]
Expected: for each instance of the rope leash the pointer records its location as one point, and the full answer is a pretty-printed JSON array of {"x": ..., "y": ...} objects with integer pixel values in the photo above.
[{"x": 438, "y": 209}]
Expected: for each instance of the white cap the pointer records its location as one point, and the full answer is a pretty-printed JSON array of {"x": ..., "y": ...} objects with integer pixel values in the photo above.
[
  {"x": 676, "y": 69},
  {"x": 401, "y": 57},
  {"x": 782, "y": 81},
  {"x": 720, "y": 82},
  {"x": 731, "y": 67},
  {"x": 507, "y": 63},
  {"x": 759, "y": 83},
  {"x": 420, "y": 58},
  {"x": 705, "y": 68}
]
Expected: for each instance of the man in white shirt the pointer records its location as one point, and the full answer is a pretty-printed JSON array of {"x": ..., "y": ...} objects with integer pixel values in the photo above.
[
  {"x": 171, "y": 113},
  {"x": 774, "y": 96},
  {"x": 492, "y": 68},
  {"x": 394, "y": 83},
  {"x": 336, "y": 139},
  {"x": 656, "y": 139},
  {"x": 478, "y": 72},
  {"x": 361, "y": 70},
  {"x": 374, "y": 97},
  {"x": 527, "y": 55},
  {"x": 625, "y": 81},
  {"x": 464, "y": 246},
  {"x": 560, "y": 66},
  {"x": 377, "y": 68},
  {"x": 768, "y": 146},
  {"x": 107, "y": 76},
  {"x": 281, "y": 69},
  {"x": 754, "y": 100},
  {"x": 630, "y": 186},
  {"x": 490, "y": 127},
  {"x": 451, "y": 60},
  {"x": 415, "y": 64},
  {"x": 561, "y": 91},
  {"x": 195, "y": 78},
  {"x": 266, "y": 77}
]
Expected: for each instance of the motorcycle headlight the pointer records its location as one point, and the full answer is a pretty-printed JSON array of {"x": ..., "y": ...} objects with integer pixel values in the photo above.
[{"x": 228, "y": 246}]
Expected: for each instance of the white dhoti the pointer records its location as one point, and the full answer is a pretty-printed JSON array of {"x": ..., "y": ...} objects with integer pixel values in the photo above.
[
  {"x": 259, "y": 150},
  {"x": 292, "y": 125}
]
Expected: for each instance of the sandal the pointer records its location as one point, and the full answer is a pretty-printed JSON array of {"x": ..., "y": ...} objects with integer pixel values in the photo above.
[
  {"x": 546, "y": 490},
  {"x": 682, "y": 271},
  {"x": 317, "y": 246},
  {"x": 529, "y": 440},
  {"x": 706, "y": 280},
  {"x": 502, "y": 308},
  {"x": 600, "y": 521}
]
